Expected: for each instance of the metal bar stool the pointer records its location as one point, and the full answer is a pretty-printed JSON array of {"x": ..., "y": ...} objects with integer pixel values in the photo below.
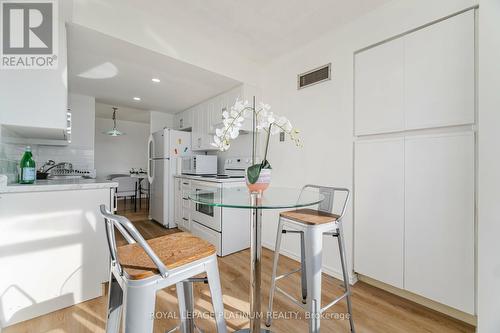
[
  {"x": 312, "y": 225},
  {"x": 139, "y": 270}
]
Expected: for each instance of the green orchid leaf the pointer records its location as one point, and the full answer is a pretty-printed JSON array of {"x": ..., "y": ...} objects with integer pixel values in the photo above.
[
  {"x": 253, "y": 173},
  {"x": 266, "y": 165}
]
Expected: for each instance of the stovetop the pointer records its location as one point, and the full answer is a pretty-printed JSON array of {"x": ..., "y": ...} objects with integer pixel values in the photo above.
[{"x": 222, "y": 176}]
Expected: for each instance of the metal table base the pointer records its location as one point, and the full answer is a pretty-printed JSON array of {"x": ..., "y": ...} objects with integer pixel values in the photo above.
[{"x": 255, "y": 268}]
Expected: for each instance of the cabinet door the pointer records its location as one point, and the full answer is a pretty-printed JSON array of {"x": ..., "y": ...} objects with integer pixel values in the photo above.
[
  {"x": 439, "y": 228},
  {"x": 379, "y": 89},
  {"x": 379, "y": 210},
  {"x": 197, "y": 129},
  {"x": 178, "y": 201},
  {"x": 439, "y": 78}
]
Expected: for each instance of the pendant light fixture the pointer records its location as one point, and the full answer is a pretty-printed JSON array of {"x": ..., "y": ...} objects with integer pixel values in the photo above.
[{"x": 114, "y": 131}]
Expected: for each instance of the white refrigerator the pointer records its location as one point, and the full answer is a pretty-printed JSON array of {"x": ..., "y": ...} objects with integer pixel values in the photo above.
[{"x": 165, "y": 147}]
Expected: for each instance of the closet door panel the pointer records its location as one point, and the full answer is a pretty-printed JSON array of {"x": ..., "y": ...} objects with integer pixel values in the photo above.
[
  {"x": 439, "y": 74},
  {"x": 379, "y": 210},
  {"x": 439, "y": 218},
  {"x": 379, "y": 89}
]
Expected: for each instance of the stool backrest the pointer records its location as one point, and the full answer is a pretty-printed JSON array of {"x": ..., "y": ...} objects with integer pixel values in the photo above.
[
  {"x": 330, "y": 193},
  {"x": 131, "y": 235}
]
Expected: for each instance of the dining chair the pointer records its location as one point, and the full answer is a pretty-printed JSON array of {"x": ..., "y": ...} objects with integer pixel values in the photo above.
[
  {"x": 126, "y": 187},
  {"x": 312, "y": 225},
  {"x": 141, "y": 268}
]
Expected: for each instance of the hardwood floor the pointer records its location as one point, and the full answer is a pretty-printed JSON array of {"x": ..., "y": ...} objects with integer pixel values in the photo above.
[{"x": 374, "y": 309}]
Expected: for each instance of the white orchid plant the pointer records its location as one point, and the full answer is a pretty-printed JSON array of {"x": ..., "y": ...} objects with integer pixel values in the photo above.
[{"x": 266, "y": 121}]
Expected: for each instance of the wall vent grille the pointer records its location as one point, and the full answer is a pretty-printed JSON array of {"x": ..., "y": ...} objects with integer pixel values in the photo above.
[{"x": 315, "y": 76}]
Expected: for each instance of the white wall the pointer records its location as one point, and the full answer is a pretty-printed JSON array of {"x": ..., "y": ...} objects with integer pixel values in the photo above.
[
  {"x": 160, "y": 120},
  {"x": 324, "y": 113},
  {"x": 489, "y": 167},
  {"x": 120, "y": 154}
]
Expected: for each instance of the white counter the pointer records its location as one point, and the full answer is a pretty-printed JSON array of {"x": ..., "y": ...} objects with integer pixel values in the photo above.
[{"x": 59, "y": 185}]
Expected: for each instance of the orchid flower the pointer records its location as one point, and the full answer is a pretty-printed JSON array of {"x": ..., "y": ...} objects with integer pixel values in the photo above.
[{"x": 266, "y": 120}]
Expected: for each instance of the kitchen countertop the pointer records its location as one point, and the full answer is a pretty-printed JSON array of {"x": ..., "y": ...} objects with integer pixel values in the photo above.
[
  {"x": 212, "y": 180},
  {"x": 59, "y": 185}
]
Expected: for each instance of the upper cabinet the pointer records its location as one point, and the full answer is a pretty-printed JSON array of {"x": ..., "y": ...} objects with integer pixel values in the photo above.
[
  {"x": 439, "y": 74},
  {"x": 204, "y": 118},
  {"x": 380, "y": 89},
  {"x": 184, "y": 120},
  {"x": 423, "y": 79},
  {"x": 33, "y": 102}
]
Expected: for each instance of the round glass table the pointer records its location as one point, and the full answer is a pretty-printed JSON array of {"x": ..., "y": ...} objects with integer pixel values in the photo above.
[{"x": 272, "y": 198}]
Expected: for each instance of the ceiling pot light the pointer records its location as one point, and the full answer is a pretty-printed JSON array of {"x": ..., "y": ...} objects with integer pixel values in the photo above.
[
  {"x": 155, "y": 80},
  {"x": 137, "y": 98},
  {"x": 114, "y": 131}
]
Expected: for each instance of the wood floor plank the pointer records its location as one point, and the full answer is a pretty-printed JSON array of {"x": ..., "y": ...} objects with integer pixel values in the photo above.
[{"x": 375, "y": 310}]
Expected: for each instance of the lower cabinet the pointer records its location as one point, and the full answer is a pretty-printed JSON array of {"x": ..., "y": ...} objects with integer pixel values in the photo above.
[
  {"x": 439, "y": 219},
  {"x": 379, "y": 200},
  {"x": 414, "y": 215}
]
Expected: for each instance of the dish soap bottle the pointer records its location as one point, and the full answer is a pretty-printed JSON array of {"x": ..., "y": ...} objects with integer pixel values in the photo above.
[{"x": 27, "y": 166}]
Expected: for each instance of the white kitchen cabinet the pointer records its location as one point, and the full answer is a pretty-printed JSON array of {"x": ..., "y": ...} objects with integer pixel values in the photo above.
[
  {"x": 178, "y": 202},
  {"x": 424, "y": 79},
  {"x": 439, "y": 218},
  {"x": 207, "y": 116},
  {"x": 439, "y": 77},
  {"x": 34, "y": 102},
  {"x": 379, "y": 89},
  {"x": 184, "y": 120},
  {"x": 379, "y": 210},
  {"x": 201, "y": 138}
]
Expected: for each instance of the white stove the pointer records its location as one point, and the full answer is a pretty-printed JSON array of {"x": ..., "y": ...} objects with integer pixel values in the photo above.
[{"x": 234, "y": 171}]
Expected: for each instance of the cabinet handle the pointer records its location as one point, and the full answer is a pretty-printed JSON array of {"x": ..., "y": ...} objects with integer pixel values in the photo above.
[
  {"x": 184, "y": 198},
  {"x": 185, "y": 219},
  {"x": 186, "y": 183}
]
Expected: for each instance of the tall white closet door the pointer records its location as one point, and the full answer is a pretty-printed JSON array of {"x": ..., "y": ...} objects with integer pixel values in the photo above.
[
  {"x": 379, "y": 204},
  {"x": 439, "y": 218},
  {"x": 379, "y": 89},
  {"x": 439, "y": 74}
]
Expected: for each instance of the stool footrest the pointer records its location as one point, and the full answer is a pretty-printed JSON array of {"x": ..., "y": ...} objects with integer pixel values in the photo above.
[
  {"x": 287, "y": 274},
  {"x": 290, "y": 297},
  {"x": 335, "y": 301}
]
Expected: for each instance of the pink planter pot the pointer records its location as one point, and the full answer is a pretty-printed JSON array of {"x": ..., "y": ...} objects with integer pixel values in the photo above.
[{"x": 262, "y": 183}]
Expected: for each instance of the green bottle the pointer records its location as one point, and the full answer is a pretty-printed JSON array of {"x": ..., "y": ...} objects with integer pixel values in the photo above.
[{"x": 27, "y": 166}]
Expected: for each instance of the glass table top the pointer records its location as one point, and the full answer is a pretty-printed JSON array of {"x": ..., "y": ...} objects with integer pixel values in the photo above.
[{"x": 272, "y": 198}]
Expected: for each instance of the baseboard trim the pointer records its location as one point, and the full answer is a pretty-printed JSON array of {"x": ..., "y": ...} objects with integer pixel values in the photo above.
[{"x": 449, "y": 311}]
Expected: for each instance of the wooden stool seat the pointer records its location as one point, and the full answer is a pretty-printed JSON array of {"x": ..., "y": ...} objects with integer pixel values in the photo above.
[
  {"x": 309, "y": 216},
  {"x": 173, "y": 250}
]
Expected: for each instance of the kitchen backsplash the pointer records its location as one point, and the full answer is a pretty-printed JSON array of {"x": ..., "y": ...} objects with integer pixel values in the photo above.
[{"x": 10, "y": 154}]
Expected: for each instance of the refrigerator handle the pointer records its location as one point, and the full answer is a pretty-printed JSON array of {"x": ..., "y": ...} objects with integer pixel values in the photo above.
[{"x": 150, "y": 159}]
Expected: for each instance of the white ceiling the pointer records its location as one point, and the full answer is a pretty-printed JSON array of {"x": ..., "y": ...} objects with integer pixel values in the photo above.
[
  {"x": 103, "y": 110},
  {"x": 115, "y": 71},
  {"x": 259, "y": 29}
]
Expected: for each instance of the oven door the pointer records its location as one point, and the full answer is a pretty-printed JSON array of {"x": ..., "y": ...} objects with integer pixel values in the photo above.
[{"x": 209, "y": 216}]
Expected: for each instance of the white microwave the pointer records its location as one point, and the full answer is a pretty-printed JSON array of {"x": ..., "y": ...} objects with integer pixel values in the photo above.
[{"x": 199, "y": 165}]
